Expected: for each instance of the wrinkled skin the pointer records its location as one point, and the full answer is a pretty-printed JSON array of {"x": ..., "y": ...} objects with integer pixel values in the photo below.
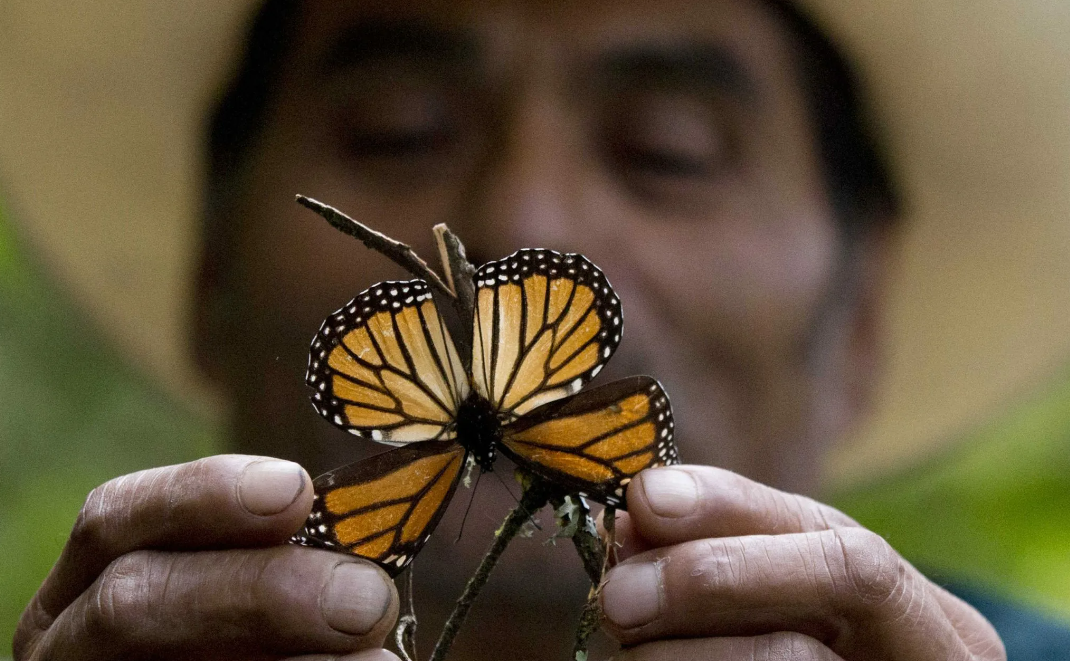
[
  {"x": 531, "y": 124},
  {"x": 186, "y": 562},
  {"x": 716, "y": 566}
]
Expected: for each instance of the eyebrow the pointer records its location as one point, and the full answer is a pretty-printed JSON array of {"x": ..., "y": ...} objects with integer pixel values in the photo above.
[
  {"x": 398, "y": 40},
  {"x": 701, "y": 67}
]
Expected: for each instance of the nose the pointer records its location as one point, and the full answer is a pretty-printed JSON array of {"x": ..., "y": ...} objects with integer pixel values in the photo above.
[{"x": 525, "y": 192}]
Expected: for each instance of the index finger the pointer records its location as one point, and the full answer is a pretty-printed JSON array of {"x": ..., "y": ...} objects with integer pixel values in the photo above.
[
  {"x": 216, "y": 502},
  {"x": 676, "y": 504}
]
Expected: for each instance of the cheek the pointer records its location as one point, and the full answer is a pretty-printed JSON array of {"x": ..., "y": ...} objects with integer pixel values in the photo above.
[{"x": 741, "y": 286}]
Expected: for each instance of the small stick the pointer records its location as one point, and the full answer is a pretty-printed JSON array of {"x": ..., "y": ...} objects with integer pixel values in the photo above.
[
  {"x": 590, "y": 620},
  {"x": 609, "y": 522},
  {"x": 398, "y": 252},
  {"x": 459, "y": 271},
  {"x": 591, "y": 617},
  {"x": 535, "y": 496},
  {"x": 588, "y": 545},
  {"x": 459, "y": 277},
  {"x": 589, "y": 548},
  {"x": 405, "y": 633}
]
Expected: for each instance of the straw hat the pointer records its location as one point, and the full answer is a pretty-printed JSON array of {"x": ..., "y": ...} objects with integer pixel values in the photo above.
[{"x": 101, "y": 109}]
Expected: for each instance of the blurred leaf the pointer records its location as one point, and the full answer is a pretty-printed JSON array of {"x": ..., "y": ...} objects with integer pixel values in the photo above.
[
  {"x": 993, "y": 512},
  {"x": 72, "y": 416}
]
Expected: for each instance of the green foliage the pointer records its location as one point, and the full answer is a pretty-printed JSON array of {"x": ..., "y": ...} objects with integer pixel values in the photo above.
[
  {"x": 994, "y": 512},
  {"x": 72, "y": 415}
]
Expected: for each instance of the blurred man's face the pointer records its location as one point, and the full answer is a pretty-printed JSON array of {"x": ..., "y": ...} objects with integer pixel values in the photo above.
[{"x": 669, "y": 142}]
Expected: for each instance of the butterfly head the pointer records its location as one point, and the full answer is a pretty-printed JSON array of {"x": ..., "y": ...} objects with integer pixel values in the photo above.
[{"x": 479, "y": 430}]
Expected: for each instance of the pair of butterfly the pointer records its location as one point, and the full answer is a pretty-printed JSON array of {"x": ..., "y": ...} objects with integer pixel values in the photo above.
[{"x": 384, "y": 367}]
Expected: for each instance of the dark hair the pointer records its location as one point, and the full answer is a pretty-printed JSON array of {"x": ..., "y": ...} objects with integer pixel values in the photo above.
[
  {"x": 238, "y": 115},
  {"x": 856, "y": 170},
  {"x": 859, "y": 182}
]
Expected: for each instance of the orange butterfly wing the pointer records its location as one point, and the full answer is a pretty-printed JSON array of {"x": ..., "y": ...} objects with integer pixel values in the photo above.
[
  {"x": 384, "y": 508},
  {"x": 595, "y": 442},
  {"x": 384, "y": 366},
  {"x": 545, "y": 324}
]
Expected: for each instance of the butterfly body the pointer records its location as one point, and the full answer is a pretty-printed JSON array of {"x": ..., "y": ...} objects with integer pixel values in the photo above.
[
  {"x": 384, "y": 367},
  {"x": 479, "y": 430}
]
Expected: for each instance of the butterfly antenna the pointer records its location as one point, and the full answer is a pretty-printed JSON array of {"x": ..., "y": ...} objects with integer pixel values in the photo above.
[
  {"x": 468, "y": 509},
  {"x": 505, "y": 485},
  {"x": 531, "y": 517}
]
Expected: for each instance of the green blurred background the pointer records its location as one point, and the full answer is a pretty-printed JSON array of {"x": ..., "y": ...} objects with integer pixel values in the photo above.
[
  {"x": 72, "y": 416},
  {"x": 992, "y": 513}
]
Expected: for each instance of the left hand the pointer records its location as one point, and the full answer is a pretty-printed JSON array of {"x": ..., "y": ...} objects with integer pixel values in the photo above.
[{"x": 716, "y": 566}]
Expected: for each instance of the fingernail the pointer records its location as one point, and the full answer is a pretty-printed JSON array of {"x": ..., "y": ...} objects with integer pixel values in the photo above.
[
  {"x": 632, "y": 595},
  {"x": 269, "y": 487},
  {"x": 355, "y": 598},
  {"x": 671, "y": 492}
]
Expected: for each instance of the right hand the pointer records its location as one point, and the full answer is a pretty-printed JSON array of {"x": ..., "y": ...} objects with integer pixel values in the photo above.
[{"x": 191, "y": 561}]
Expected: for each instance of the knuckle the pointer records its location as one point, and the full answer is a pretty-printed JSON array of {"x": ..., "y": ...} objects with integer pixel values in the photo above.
[
  {"x": 90, "y": 529},
  {"x": 118, "y": 601},
  {"x": 276, "y": 590},
  {"x": 200, "y": 471},
  {"x": 257, "y": 583},
  {"x": 174, "y": 485},
  {"x": 193, "y": 488},
  {"x": 789, "y": 645},
  {"x": 814, "y": 515},
  {"x": 716, "y": 567},
  {"x": 174, "y": 497},
  {"x": 872, "y": 574},
  {"x": 115, "y": 510},
  {"x": 30, "y": 627},
  {"x": 260, "y": 586},
  {"x": 798, "y": 511}
]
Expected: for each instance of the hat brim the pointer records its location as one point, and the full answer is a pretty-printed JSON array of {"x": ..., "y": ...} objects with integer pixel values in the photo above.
[{"x": 101, "y": 112}]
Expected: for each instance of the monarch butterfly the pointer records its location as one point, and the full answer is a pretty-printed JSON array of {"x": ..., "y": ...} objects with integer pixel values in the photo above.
[{"x": 385, "y": 367}]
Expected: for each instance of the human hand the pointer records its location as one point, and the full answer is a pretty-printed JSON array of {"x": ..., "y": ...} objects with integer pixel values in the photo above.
[
  {"x": 190, "y": 561},
  {"x": 716, "y": 566}
]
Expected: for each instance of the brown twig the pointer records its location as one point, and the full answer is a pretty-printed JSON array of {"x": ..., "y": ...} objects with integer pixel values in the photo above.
[
  {"x": 459, "y": 277},
  {"x": 459, "y": 271},
  {"x": 405, "y": 632},
  {"x": 587, "y": 543},
  {"x": 609, "y": 522},
  {"x": 589, "y": 548},
  {"x": 590, "y": 621},
  {"x": 591, "y": 617},
  {"x": 398, "y": 252},
  {"x": 536, "y": 494}
]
